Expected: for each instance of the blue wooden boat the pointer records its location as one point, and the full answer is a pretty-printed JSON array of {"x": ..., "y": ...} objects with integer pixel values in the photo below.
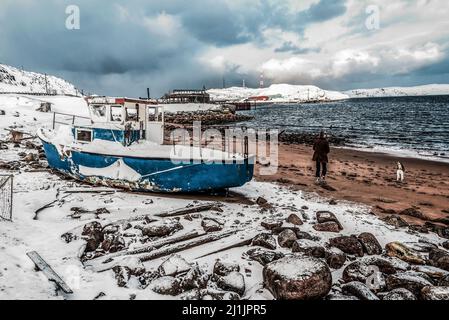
[{"x": 122, "y": 145}]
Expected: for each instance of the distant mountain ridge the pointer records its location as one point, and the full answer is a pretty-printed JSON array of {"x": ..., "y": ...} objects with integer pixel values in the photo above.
[
  {"x": 13, "y": 80},
  {"x": 425, "y": 90}
]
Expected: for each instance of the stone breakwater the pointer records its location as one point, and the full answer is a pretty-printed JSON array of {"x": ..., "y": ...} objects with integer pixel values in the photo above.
[{"x": 210, "y": 118}]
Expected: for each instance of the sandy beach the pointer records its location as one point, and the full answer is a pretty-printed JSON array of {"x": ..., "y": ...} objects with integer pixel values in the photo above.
[{"x": 369, "y": 178}]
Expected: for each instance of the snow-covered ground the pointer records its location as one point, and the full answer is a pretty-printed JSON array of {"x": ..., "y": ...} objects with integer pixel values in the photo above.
[
  {"x": 16, "y": 80},
  {"x": 277, "y": 93},
  {"x": 34, "y": 189},
  {"x": 426, "y": 90}
]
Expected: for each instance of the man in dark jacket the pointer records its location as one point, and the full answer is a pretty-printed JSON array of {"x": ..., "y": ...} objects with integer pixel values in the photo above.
[{"x": 321, "y": 150}]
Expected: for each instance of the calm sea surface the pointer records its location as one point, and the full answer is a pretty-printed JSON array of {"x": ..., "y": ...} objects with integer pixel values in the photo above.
[{"x": 408, "y": 126}]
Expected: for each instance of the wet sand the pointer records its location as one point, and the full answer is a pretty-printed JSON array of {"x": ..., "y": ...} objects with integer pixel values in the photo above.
[{"x": 369, "y": 178}]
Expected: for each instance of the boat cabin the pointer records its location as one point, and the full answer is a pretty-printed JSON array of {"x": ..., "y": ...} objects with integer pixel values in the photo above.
[{"x": 122, "y": 120}]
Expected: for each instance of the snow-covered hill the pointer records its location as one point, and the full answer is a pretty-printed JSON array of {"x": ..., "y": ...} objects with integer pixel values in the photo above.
[
  {"x": 277, "y": 93},
  {"x": 16, "y": 80},
  {"x": 426, "y": 90}
]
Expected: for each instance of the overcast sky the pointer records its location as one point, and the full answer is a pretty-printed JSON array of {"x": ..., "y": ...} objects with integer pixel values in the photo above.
[{"x": 122, "y": 47}]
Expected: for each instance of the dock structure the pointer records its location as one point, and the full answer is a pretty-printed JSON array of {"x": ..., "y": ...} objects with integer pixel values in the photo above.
[{"x": 187, "y": 96}]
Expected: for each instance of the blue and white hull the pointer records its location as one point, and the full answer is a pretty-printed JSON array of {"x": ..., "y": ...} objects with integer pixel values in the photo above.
[{"x": 138, "y": 171}]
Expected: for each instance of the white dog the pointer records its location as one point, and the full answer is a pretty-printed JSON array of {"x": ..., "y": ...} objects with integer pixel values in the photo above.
[{"x": 400, "y": 173}]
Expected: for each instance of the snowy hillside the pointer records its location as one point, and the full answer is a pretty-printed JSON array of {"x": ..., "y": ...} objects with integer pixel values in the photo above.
[
  {"x": 277, "y": 93},
  {"x": 427, "y": 90},
  {"x": 15, "y": 80}
]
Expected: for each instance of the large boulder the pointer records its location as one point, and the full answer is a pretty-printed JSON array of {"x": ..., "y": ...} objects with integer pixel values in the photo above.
[
  {"x": 439, "y": 258},
  {"x": 194, "y": 279},
  {"x": 400, "y": 294},
  {"x": 297, "y": 278},
  {"x": 371, "y": 245},
  {"x": 410, "y": 280},
  {"x": 308, "y": 247},
  {"x": 435, "y": 293},
  {"x": 335, "y": 258},
  {"x": 224, "y": 268},
  {"x": 271, "y": 224},
  {"x": 329, "y": 218},
  {"x": 263, "y": 256},
  {"x": 327, "y": 227},
  {"x": 401, "y": 251},
  {"x": 286, "y": 238},
  {"x": 395, "y": 221},
  {"x": 349, "y": 245},
  {"x": 264, "y": 240},
  {"x": 162, "y": 228},
  {"x": 92, "y": 233},
  {"x": 294, "y": 219},
  {"x": 173, "y": 266},
  {"x": 211, "y": 225},
  {"x": 360, "y": 271},
  {"x": 359, "y": 290},
  {"x": 234, "y": 282},
  {"x": 166, "y": 286}
]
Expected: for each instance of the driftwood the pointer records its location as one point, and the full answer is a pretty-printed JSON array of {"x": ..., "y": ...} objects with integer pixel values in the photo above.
[
  {"x": 150, "y": 247},
  {"x": 184, "y": 211},
  {"x": 90, "y": 191},
  {"x": 48, "y": 271},
  {"x": 185, "y": 246},
  {"x": 239, "y": 244},
  {"x": 49, "y": 205}
]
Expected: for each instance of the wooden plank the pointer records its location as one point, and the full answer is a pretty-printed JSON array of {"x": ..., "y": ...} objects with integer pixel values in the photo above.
[
  {"x": 184, "y": 211},
  {"x": 238, "y": 244},
  {"x": 48, "y": 271},
  {"x": 185, "y": 246}
]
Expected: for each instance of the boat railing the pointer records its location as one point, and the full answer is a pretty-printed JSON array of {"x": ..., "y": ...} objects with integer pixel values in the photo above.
[{"x": 70, "y": 121}]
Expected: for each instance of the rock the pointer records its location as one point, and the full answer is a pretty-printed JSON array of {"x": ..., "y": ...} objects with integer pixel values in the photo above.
[
  {"x": 162, "y": 228},
  {"x": 445, "y": 245},
  {"x": 309, "y": 248},
  {"x": 434, "y": 273},
  {"x": 219, "y": 295},
  {"x": 211, "y": 225},
  {"x": 399, "y": 250},
  {"x": 349, "y": 245},
  {"x": 234, "y": 282},
  {"x": 265, "y": 240},
  {"x": 223, "y": 269},
  {"x": 113, "y": 243},
  {"x": 261, "y": 201},
  {"x": 359, "y": 290},
  {"x": 424, "y": 247},
  {"x": 412, "y": 212},
  {"x": 69, "y": 237},
  {"x": 327, "y": 216},
  {"x": 385, "y": 265},
  {"x": 93, "y": 235},
  {"x": 335, "y": 258},
  {"x": 297, "y": 278},
  {"x": 357, "y": 271},
  {"x": 122, "y": 275},
  {"x": 191, "y": 295},
  {"x": 166, "y": 286},
  {"x": 173, "y": 266},
  {"x": 435, "y": 293},
  {"x": 307, "y": 236},
  {"x": 444, "y": 282},
  {"x": 294, "y": 219},
  {"x": 400, "y": 294},
  {"x": 286, "y": 238},
  {"x": 341, "y": 297},
  {"x": 194, "y": 279},
  {"x": 264, "y": 257},
  {"x": 147, "y": 277},
  {"x": 370, "y": 244},
  {"x": 439, "y": 258},
  {"x": 277, "y": 231},
  {"x": 271, "y": 224},
  {"x": 396, "y": 221},
  {"x": 410, "y": 280},
  {"x": 327, "y": 227}
]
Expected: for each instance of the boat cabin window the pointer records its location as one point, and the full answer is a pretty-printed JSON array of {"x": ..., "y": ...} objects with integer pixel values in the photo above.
[
  {"x": 116, "y": 113},
  {"x": 132, "y": 114},
  {"x": 83, "y": 135},
  {"x": 99, "y": 111}
]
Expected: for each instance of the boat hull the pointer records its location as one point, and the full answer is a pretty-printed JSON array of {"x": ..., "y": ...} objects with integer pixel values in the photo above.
[{"x": 148, "y": 174}]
